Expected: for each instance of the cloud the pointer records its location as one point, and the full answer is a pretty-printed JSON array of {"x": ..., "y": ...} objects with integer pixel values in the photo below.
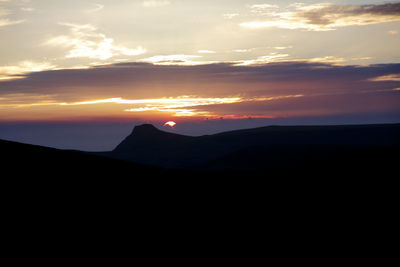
[
  {"x": 156, "y": 3},
  {"x": 326, "y": 17},
  {"x": 230, "y": 15},
  {"x": 96, "y": 8},
  {"x": 243, "y": 50},
  {"x": 282, "y": 47},
  {"x": 263, "y": 8},
  {"x": 181, "y": 106},
  {"x": 17, "y": 71},
  {"x": 145, "y": 80},
  {"x": 327, "y": 59},
  {"x": 8, "y": 22},
  {"x": 387, "y": 78},
  {"x": 4, "y": 21},
  {"x": 206, "y": 52},
  {"x": 367, "y": 105},
  {"x": 272, "y": 57},
  {"x": 84, "y": 41},
  {"x": 179, "y": 59},
  {"x": 229, "y": 90},
  {"x": 27, "y": 9}
]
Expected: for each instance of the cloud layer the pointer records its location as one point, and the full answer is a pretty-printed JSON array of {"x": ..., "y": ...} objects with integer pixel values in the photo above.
[
  {"x": 282, "y": 89},
  {"x": 323, "y": 17}
]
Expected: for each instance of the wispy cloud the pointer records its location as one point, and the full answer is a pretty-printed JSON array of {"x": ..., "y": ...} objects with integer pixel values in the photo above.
[
  {"x": 230, "y": 15},
  {"x": 15, "y": 71},
  {"x": 155, "y": 3},
  {"x": 179, "y": 59},
  {"x": 326, "y": 17},
  {"x": 5, "y": 21},
  {"x": 181, "y": 106},
  {"x": 205, "y": 51},
  {"x": 84, "y": 41},
  {"x": 243, "y": 50},
  {"x": 95, "y": 8},
  {"x": 188, "y": 107},
  {"x": 282, "y": 47},
  {"x": 326, "y": 59},
  {"x": 8, "y": 22},
  {"x": 27, "y": 9},
  {"x": 272, "y": 57},
  {"x": 387, "y": 78},
  {"x": 263, "y": 8}
]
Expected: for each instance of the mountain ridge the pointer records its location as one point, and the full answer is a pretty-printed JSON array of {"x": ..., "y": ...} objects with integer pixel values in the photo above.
[
  {"x": 147, "y": 136},
  {"x": 261, "y": 151},
  {"x": 149, "y": 145}
]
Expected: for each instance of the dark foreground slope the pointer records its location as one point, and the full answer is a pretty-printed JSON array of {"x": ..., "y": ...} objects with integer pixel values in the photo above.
[
  {"x": 267, "y": 148},
  {"x": 30, "y": 161},
  {"x": 69, "y": 197},
  {"x": 254, "y": 163}
]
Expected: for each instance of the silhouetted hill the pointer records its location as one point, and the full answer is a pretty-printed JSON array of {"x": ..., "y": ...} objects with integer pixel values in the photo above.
[
  {"x": 149, "y": 152},
  {"x": 28, "y": 160},
  {"x": 264, "y": 148},
  {"x": 47, "y": 190},
  {"x": 148, "y": 137},
  {"x": 276, "y": 160}
]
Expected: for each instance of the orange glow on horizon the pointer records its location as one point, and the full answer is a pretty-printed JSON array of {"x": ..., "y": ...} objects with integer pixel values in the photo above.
[{"x": 42, "y": 107}]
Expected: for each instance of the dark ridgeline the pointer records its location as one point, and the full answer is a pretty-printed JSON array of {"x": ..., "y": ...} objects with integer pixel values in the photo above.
[
  {"x": 149, "y": 152},
  {"x": 266, "y": 148},
  {"x": 19, "y": 160},
  {"x": 147, "y": 137}
]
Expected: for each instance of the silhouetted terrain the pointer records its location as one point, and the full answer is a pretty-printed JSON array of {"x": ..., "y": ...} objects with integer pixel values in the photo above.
[
  {"x": 266, "y": 152},
  {"x": 21, "y": 160},
  {"x": 318, "y": 166},
  {"x": 273, "y": 147}
]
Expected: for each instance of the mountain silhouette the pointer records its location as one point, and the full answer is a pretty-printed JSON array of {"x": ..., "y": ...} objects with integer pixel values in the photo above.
[
  {"x": 148, "y": 137},
  {"x": 26, "y": 160},
  {"x": 295, "y": 171},
  {"x": 283, "y": 167},
  {"x": 148, "y": 151},
  {"x": 296, "y": 159},
  {"x": 262, "y": 148}
]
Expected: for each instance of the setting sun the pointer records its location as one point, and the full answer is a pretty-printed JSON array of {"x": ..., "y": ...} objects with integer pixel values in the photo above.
[{"x": 170, "y": 124}]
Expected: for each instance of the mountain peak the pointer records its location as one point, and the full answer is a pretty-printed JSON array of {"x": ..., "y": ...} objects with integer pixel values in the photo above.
[
  {"x": 148, "y": 137},
  {"x": 145, "y": 128}
]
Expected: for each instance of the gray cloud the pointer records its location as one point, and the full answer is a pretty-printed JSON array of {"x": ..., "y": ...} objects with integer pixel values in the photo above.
[
  {"x": 324, "y": 17},
  {"x": 273, "y": 90},
  {"x": 143, "y": 80},
  {"x": 331, "y": 14}
]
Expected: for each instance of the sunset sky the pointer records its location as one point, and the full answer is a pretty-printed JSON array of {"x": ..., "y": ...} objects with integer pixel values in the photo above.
[{"x": 128, "y": 61}]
